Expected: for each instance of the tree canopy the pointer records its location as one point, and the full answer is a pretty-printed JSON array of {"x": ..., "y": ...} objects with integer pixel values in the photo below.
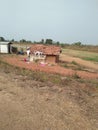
[{"x": 2, "y": 39}]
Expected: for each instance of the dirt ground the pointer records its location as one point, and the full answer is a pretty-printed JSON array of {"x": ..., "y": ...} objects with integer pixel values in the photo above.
[
  {"x": 88, "y": 64},
  {"x": 27, "y": 104},
  {"x": 19, "y": 61}
]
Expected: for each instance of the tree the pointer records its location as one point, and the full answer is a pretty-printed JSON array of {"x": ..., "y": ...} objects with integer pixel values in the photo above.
[
  {"x": 49, "y": 41},
  {"x": 12, "y": 40},
  {"x": 78, "y": 44},
  {"x": 42, "y": 41},
  {"x": 22, "y": 40},
  {"x": 58, "y": 43},
  {"x": 62, "y": 45},
  {"x": 2, "y": 39}
]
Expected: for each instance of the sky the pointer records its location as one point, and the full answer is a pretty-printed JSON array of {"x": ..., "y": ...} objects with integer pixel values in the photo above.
[{"x": 67, "y": 21}]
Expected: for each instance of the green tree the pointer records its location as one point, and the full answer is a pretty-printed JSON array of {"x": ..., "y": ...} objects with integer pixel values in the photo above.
[
  {"x": 62, "y": 45},
  {"x": 78, "y": 44},
  {"x": 2, "y": 39},
  {"x": 49, "y": 41},
  {"x": 22, "y": 40},
  {"x": 58, "y": 43},
  {"x": 42, "y": 41},
  {"x": 12, "y": 40}
]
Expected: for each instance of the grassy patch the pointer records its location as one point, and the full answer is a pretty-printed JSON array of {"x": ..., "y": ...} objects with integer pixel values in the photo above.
[
  {"x": 74, "y": 63},
  {"x": 76, "y": 76},
  {"x": 95, "y": 59},
  {"x": 64, "y": 65},
  {"x": 35, "y": 75},
  {"x": 90, "y": 56}
]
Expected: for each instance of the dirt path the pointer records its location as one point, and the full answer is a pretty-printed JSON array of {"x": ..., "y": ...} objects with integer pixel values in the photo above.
[
  {"x": 88, "y": 64},
  {"x": 26, "y": 104}
]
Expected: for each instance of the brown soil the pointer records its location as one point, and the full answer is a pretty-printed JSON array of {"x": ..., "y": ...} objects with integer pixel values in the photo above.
[
  {"x": 18, "y": 61},
  {"x": 88, "y": 64},
  {"x": 26, "y": 104}
]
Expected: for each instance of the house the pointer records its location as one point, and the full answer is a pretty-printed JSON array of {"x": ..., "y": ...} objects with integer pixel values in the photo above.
[
  {"x": 5, "y": 47},
  {"x": 48, "y": 53}
]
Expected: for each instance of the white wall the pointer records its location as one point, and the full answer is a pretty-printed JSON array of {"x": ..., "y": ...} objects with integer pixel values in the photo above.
[{"x": 3, "y": 48}]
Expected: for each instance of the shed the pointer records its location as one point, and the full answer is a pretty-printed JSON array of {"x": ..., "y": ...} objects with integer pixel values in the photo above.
[{"x": 5, "y": 47}]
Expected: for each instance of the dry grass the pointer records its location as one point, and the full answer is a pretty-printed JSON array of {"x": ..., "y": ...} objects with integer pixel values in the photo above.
[
  {"x": 46, "y": 102},
  {"x": 82, "y": 54}
]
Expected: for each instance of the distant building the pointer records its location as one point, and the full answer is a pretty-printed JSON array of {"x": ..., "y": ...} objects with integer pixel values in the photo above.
[
  {"x": 50, "y": 53},
  {"x": 5, "y": 47}
]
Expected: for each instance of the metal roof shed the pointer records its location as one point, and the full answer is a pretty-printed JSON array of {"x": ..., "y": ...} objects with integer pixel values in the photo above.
[{"x": 5, "y": 47}]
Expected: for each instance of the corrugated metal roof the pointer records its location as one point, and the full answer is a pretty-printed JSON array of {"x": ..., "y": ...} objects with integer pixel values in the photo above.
[{"x": 5, "y": 43}]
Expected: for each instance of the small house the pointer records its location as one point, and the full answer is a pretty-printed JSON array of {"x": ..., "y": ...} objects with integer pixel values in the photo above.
[
  {"x": 50, "y": 53},
  {"x": 5, "y": 47}
]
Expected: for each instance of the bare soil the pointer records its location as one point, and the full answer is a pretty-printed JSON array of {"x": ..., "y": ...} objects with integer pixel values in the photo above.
[
  {"x": 51, "y": 68},
  {"x": 27, "y": 104},
  {"x": 88, "y": 64}
]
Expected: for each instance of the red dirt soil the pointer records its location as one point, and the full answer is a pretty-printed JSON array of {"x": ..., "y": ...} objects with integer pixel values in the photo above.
[{"x": 56, "y": 69}]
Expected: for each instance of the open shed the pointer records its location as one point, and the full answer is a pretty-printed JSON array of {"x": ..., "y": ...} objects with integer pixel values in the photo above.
[{"x": 5, "y": 47}]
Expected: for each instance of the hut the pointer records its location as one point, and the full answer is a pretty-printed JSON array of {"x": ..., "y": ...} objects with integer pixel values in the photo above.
[{"x": 49, "y": 52}]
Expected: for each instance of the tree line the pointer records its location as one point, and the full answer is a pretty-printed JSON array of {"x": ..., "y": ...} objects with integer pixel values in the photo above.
[{"x": 47, "y": 41}]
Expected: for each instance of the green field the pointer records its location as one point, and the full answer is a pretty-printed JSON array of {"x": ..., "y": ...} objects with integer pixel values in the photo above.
[{"x": 90, "y": 56}]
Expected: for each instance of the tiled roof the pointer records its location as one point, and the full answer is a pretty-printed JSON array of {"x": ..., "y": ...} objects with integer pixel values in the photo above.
[{"x": 46, "y": 49}]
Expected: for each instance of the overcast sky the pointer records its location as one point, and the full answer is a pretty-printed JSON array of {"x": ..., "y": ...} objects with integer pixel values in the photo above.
[{"x": 67, "y": 21}]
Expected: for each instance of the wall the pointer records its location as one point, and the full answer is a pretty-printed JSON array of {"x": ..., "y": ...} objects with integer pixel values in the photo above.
[
  {"x": 57, "y": 58},
  {"x": 3, "y": 48},
  {"x": 51, "y": 58}
]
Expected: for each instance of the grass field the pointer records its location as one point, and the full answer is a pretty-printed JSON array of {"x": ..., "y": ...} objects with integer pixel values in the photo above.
[{"x": 90, "y": 56}]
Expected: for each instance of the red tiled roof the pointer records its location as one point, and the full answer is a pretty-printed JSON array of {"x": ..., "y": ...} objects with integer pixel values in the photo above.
[{"x": 46, "y": 49}]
